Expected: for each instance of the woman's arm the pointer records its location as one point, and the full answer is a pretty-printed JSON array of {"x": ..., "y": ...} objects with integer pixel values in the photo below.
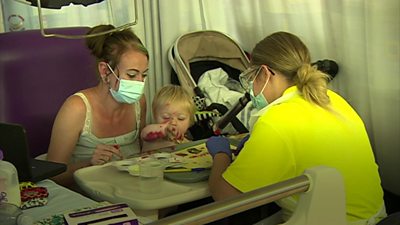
[
  {"x": 220, "y": 189},
  {"x": 65, "y": 133}
]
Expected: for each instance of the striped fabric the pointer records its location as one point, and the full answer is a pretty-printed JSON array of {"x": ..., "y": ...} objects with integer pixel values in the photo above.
[{"x": 204, "y": 115}]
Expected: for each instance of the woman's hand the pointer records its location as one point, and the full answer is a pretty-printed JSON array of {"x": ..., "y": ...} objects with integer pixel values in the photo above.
[
  {"x": 105, "y": 153},
  {"x": 219, "y": 144}
]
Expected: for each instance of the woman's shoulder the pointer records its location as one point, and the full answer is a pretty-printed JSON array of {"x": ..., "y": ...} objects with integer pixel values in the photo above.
[
  {"x": 334, "y": 94},
  {"x": 337, "y": 100},
  {"x": 84, "y": 97},
  {"x": 72, "y": 112},
  {"x": 76, "y": 102}
]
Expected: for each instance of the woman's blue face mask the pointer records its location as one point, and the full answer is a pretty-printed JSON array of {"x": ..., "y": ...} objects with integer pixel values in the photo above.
[
  {"x": 247, "y": 79},
  {"x": 259, "y": 101},
  {"x": 129, "y": 91}
]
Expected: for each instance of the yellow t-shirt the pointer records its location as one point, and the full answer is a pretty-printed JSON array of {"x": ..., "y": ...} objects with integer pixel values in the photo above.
[{"x": 295, "y": 135}]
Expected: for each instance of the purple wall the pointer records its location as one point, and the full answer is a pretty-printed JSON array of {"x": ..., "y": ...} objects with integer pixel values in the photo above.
[{"x": 37, "y": 74}]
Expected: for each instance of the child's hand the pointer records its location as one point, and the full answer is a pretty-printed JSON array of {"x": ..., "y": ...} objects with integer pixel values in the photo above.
[
  {"x": 166, "y": 131},
  {"x": 173, "y": 133}
]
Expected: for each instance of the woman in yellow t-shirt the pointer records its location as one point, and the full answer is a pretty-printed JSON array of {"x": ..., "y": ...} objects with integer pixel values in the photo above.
[{"x": 300, "y": 124}]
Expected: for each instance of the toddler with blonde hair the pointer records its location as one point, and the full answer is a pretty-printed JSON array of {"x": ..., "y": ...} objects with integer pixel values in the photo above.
[{"x": 173, "y": 113}]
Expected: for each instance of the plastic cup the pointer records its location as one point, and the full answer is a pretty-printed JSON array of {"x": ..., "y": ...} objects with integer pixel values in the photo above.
[{"x": 151, "y": 174}]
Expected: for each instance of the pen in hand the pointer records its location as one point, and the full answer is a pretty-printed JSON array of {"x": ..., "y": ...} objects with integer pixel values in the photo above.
[{"x": 119, "y": 155}]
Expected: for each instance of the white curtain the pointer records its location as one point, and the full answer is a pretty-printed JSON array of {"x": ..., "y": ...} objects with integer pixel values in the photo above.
[{"x": 362, "y": 36}]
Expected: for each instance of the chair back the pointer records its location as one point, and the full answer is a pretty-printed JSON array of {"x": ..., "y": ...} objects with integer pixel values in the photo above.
[{"x": 37, "y": 74}]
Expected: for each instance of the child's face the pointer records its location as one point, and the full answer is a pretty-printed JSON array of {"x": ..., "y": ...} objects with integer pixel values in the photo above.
[{"x": 174, "y": 114}]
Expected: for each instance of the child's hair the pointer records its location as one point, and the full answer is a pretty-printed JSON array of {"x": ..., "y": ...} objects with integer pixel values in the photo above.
[{"x": 174, "y": 94}]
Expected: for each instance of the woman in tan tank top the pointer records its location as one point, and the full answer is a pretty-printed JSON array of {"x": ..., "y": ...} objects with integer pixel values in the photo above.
[{"x": 102, "y": 123}]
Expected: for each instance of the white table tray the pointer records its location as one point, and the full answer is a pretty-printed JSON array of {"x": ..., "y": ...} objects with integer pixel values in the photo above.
[{"x": 107, "y": 183}]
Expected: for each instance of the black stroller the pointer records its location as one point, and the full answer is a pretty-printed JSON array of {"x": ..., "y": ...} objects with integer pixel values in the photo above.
[{"x": 191, "y": 56}]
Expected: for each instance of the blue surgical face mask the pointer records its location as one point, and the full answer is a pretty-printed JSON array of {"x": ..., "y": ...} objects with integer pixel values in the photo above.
[
  {"x": 258, "y": 101},
  {"x": 129, "y": 91}
]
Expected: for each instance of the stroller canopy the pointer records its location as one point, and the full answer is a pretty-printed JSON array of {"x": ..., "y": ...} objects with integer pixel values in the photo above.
[{"x": 204, "y": 46}]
